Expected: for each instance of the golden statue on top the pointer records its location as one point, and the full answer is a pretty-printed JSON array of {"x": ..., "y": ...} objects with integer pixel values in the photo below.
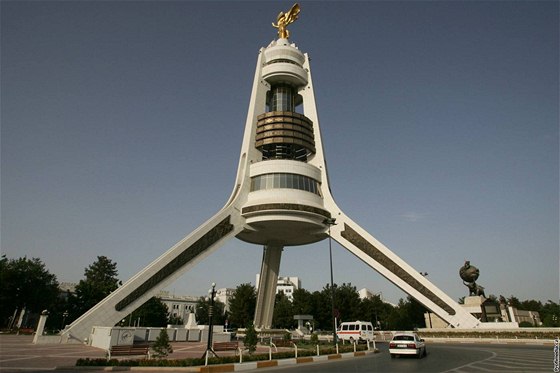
[{"x": 284, "y": 19}]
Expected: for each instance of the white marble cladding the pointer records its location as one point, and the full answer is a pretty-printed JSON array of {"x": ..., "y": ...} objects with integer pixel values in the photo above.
[
  {"x": 285, "y": 195},
  {"x": 285, "y": 166},
  {"x": 105, "y": 336},
  {"x": 281, "y": 49},
  {"x": 283, "y": 63}
]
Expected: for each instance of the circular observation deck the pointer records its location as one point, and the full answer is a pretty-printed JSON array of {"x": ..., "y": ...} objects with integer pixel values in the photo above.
[{"x": 285, "y": 204}]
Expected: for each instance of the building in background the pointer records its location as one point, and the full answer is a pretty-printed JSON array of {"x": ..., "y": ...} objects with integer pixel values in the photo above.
[
  {"x": 223, "y": 295},
  {"x": 178, "y": 307},
  {"x": 286, "y": 285}
]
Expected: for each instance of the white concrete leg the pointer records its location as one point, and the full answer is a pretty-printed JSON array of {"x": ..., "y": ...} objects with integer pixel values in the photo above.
[{"x": 267, "y": 286}]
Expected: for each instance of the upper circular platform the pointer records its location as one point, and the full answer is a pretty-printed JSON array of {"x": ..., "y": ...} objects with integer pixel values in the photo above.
[{"x": 283, "y": 63}]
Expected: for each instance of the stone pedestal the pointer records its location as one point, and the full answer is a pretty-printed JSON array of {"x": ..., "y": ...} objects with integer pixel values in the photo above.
[{"x": 473, "y": 304}]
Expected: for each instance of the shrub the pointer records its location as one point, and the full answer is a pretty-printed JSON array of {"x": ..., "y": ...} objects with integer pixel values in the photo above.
[
  {"x": 161, "y": 347},
  {"x": 251, "y": 339}
]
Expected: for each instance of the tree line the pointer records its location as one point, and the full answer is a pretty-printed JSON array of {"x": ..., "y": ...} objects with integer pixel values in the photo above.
[{"x": 27, "y": 284}]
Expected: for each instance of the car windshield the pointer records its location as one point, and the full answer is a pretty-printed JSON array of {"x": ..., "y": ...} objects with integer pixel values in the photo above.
[{"x": 403, "y": 338}]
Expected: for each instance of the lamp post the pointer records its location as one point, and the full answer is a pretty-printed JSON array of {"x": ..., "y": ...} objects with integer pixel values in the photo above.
[
  {"x": 329, "y": 222},
  {"x": 64, "y": 316},
  {"x": 212, "y": 293}
]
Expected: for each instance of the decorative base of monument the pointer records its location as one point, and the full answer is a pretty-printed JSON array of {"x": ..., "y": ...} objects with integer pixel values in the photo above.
[
  {"x": 473, "y": 305},
  {"x": 484, "y": 309}
]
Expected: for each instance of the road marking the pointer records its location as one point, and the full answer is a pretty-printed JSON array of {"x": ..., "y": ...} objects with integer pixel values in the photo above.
[{"x": 507, "y": 361}]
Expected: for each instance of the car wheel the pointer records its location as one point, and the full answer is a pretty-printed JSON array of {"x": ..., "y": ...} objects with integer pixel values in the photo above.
[
  {"x": 352, "y": 340},
  {"x": 393, "y": 356},
  {"x": 425, "y": 352}
]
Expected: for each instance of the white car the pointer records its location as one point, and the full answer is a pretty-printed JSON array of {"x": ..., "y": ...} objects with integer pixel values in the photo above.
[{"x": 407, "y": 344}]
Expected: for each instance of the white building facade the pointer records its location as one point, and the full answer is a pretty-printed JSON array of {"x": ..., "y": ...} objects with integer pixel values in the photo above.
[
  {"x": 286, "y": 285},
  {"x": 178, "y": 307}
]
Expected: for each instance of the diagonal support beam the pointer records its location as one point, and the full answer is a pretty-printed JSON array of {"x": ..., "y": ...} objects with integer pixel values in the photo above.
[
  {"x": 161, "y": 272},
  {"x": 360, "y": 243}
]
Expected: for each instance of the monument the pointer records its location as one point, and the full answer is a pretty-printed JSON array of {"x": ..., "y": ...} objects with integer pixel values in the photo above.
[
  {"x": 469, "y": 274},
  {"x": 476, "y": 303},
  {"x": 281, "y": 198}
]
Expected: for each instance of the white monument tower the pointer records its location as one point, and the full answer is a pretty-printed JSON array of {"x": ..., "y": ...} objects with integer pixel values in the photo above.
[{"x": 281, "y": 198}]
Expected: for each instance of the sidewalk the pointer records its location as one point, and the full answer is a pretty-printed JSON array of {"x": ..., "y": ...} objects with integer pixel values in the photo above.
[{"x": 18, "y": 353}]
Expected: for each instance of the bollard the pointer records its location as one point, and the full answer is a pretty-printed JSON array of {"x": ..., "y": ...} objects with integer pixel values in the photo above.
[
  {"x": 295, "y": 348},
  {"x": 317, "y": 350},
  {"x": 240, "y": 355},
  {"x": 336, "y": 348},
  {"x": 354, "y": 346}
]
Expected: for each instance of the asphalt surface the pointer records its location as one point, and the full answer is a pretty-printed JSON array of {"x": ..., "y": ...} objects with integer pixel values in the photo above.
[{"x": 444, "y": 358}]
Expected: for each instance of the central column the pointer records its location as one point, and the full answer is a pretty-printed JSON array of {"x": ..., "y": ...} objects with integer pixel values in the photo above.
[{"x": 268, "y": 280}]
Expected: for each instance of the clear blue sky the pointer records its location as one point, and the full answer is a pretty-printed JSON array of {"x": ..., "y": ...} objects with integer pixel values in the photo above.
[{"x": 122, "y": 125}]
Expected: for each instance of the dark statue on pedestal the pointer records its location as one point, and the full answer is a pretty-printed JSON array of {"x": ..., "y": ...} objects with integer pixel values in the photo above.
[{"x": 469, "y": 274}]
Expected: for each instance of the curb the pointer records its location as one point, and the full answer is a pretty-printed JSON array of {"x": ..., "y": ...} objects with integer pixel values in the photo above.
[
  {"x": 224, "y": 368},
  {"x": 240, "y": 367}
]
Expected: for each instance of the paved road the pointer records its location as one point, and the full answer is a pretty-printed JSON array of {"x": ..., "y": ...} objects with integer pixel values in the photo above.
[{"x": 444, "y": 358}]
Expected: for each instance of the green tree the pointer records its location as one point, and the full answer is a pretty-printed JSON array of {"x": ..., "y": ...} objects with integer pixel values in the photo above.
[
  {"x": 550, "y": 314},
  {"x": 283, "y": 317},
  {"x": 100, "y": 280},
  {"x": 531, "y": 305},
  {"x": 242, "y": 306},
  {"x": 201, "y": 313},
  {"x": 408, "y": 315},
  {"x": 153, "y": 313},
  {"x": 251, "y": 338},
  {"x": 346, "y": 302},
  {"x": 302, "y": 304},
  {"x": 375, "y": 310},
  {"x": 161, "y": 346},
  {"x": 321, "y": 309},
  {"x": 26, "y": 283},
  {"x": 514, "y": 302}
]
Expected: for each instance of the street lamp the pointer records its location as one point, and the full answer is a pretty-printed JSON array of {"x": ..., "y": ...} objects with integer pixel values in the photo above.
[
  {"x": 329, "y": 222},
  {"x": 212, "y": 293},
  {"x": 64, "y": 316}
]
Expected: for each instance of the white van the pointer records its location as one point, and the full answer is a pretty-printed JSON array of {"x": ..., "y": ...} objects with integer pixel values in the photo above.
[{"x": 355, "y": 331}]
